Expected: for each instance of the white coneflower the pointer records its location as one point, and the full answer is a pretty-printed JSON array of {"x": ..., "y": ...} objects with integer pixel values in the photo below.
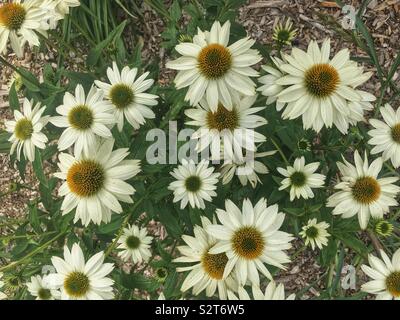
[
  {"x": 272, "y": 292},
  {"x": 250, "y": 238},
  {"x": 386, "y": 135},
  {"x": 246, "y": 171},
  {"x": 63, "y": 6},
  {"x": 41, "y": 288},
  {"x": 135, "y": 244},
  {"x": 56, "y": 9},
  {"x": 207, "y": 272},
  {"x": 19, "y": 22},
  {"x": 231, "y": 128},
  {"x": 211, "y": 68},
  {"x": 95, "y": 184},
  {"x": 315, "y": 233},
  {"x": 86, "y": 119},
  {"x": 128, "y": 96},
  {"x": 322, "y": 90},
  {"x": 80, "y": 280},
  {"x": 284, "y": 33},
  {"x": 362, "y": 192},
  {"x": 26, "y": 130},
  {"x": 385, "y": 274},
  {"x": 194, "y": 183},
  {"x": 301, "y": 179},
  {"x": 269, "y": 87}
]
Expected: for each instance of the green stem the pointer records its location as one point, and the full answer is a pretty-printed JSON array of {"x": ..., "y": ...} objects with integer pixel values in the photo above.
[
  {"x": 31, "y": 254},
  {"x": 280, "y": 151},
  {"x": 14, "y": 68},
  {"x": 121, "y": 229}
]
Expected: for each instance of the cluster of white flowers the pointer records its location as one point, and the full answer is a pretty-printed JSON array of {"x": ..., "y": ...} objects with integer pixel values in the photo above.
[
  {"x": 22, "y": 21},
  {"x": 237, "y": 247}
]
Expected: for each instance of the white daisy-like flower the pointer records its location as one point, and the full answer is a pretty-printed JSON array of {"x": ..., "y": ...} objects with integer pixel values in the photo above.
[
  {"x": 211, "y": 68},
  {"x": 56, "y": 9},
  {"x": 385, "y": 137},
  {"x": 86, "y": 119},
  {"x": 26, "y": 130},
  {"x": 95, "y": 184},
  {"x": 194, "y": 183},
  {"x": 269, "y": 87},
  {"x": 315, "y": 233},
  {"x": 233, "y": 128},
  {"x": 362, "y": 192},
  {"x": 19, "y": 22},
  {"x": 80, "y": 280},
  {"x": 246, "y": 171},
  {"x": 128, "y": 95},
  {"x": 250, "y": 238},
  {"x": 2, "y": 294},
  {"x": 41, "y": 288},
  {"x": 301, "y": 179},
  {"x": 135, "y": 244},
  {"x": 321, "y": 90},
  {"x": 385, "y": 274},
  {"x": 272, "y": 292},
  {"x": 207, "y": 270},
  {"x": 63, "y": 6}
]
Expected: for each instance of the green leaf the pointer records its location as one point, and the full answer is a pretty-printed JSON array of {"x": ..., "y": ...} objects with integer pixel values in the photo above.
[
  {"x": 138, "y": 281},
  {"x": 170, "y": 222},
  {"x": 34, "y": 218},
  {"x": 95, "y": 54},
  {"x": 38, "y": 168},
  {"x": 13, "y": 98},
  {"x": 112, "y": 227},
  {"x": 350, "y": 240},
  {"x": 29, "y": 80},
  {"x": 175, "y": 11},
  {"x": 4, "y": 144}
]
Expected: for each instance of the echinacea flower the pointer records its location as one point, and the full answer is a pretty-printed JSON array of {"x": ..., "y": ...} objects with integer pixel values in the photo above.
[
  {"x": 362, "y": 192},
  {"x": 315, "y": 233},
  {"x": 301, "y": 179},
  {"x": 232, "y": 129},
  {"x": 206, "y": 269},
  {"x": 95, "y": 184},
  {"x": 383, "y": 228},
  {"x": 127, "y": 95},
  {"x": 86, "y": 119},
  {"x": 250, "y": 238},
  {"x": 194, "y": 183},
  {"x": 385, "y": 274},
  {"x": 246, "y": 170},
  {"x": 385, "y": 137},
  {"x": 41, "y": 288},
  {"x": 26, "y": 130},
  {"x": 284, "y": 34},
  {"x": 214, "y": 70},
  {"x": 321, "y": 90},
  {"x": 19, "y": 22},
  {"x": 80, "y": 280},
  {"x": 135, "y": 244},
  {"x": 272, "y": 292}
]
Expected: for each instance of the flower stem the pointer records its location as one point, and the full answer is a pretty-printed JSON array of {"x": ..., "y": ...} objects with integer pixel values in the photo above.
[
  {"x": 32, "y": 253},
  {"x": 123, "y": 225},
  {"x": 280, "y": 151}
]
